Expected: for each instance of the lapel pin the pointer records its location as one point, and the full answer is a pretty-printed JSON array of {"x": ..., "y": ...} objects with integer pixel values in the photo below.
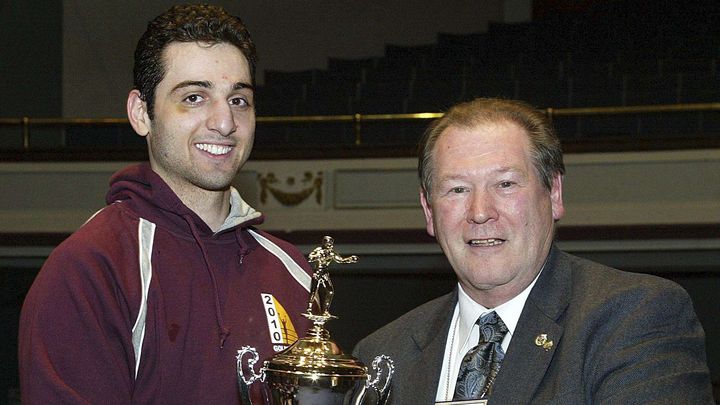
[{"x": 542, "y": 341}]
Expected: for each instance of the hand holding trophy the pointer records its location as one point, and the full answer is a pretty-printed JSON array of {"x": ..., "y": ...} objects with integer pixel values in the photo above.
[{"x": 314, "y": 371}]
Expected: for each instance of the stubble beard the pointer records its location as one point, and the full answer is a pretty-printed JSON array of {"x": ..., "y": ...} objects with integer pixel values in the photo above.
[{"x": 182, "y": 173}]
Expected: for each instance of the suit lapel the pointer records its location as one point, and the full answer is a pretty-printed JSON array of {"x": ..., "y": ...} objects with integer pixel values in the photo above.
[
  {"x": 430, "y": 341},
  {"x": 525, "y": 364},
  {"x": 527, "y": 358}
]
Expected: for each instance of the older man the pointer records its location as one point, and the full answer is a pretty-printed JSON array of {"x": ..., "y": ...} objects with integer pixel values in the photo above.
[{"x": 529, "y": 323}]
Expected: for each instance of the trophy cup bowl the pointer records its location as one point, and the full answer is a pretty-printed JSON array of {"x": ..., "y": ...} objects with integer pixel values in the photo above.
[{"x": 313, "y": 370}]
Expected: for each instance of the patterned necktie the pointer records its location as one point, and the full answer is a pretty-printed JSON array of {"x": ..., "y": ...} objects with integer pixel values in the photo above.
[{"x": 481, "y": 364}]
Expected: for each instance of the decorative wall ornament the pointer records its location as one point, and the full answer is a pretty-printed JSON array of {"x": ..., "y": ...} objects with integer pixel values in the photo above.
[{"x": 281, "y": 190}]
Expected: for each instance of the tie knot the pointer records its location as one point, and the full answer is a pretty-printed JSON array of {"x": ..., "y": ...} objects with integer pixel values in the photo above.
[{"x": 492, "y": 328}]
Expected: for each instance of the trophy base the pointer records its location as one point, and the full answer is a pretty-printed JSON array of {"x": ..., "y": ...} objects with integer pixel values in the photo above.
[{"x": 285, "y": 389}]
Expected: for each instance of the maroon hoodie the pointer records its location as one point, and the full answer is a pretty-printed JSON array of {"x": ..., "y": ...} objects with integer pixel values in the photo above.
[{"x": 145, "y": 304}]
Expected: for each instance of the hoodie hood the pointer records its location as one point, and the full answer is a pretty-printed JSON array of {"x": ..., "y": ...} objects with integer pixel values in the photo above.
[{"x": 154, "y": 200}]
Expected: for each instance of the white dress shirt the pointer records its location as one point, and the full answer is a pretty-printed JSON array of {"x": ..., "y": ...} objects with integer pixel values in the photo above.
[{"x": 464, "y": 334}]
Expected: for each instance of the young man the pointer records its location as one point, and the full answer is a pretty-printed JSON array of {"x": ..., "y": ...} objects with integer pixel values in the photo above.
[
  {"x": 149, "y": 301},
  {"x": 529, "y": 323}
]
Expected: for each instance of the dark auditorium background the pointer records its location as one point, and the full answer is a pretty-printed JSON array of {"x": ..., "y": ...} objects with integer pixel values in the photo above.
[{"x": 589, "y": 61}]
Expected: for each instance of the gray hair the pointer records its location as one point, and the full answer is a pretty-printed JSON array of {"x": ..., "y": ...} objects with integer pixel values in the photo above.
[{"x": 546, "y": 151}]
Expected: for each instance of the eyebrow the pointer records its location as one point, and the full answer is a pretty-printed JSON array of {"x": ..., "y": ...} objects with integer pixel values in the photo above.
[
  {"x": 207, "y": 84},
  {"x": 192, "y": 83},
  {"x": 499, "y": 170},
  {"x": 508, "y": 169},
  {"x": 241, "y": 85}
]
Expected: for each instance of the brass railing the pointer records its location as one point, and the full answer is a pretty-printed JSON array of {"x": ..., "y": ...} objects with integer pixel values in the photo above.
[{"x": 25, "y": 123}]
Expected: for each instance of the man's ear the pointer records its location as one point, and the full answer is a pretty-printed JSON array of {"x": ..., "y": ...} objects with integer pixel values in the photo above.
[
  {"x": 137, "y": 113},
  {"x": 427, "y": 210},
  {"x": 556, "y": 200}
]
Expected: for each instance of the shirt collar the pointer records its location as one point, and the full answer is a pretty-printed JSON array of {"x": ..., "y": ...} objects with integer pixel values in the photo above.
[
  {"x": 240, "y": 211},
  {"x": 509, "y": 311}
]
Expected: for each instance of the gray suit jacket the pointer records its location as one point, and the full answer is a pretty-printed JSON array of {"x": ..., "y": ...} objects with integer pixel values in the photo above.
[{"x": 618, "y": 338}]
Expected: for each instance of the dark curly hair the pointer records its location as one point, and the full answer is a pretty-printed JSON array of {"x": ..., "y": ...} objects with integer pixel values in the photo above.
[{"x": 185, "y": 23}]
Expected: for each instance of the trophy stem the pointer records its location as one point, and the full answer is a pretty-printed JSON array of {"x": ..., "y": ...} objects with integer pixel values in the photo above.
[{"x": 319, "y": 332}]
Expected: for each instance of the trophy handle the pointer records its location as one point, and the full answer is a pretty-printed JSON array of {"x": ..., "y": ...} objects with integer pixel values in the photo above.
[
  {"x": 243, "y": 381},
  {"x": 383, "y": 368}
]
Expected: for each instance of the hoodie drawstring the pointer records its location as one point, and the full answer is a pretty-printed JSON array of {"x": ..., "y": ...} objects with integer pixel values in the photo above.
[{"x": 224, "y": 331}]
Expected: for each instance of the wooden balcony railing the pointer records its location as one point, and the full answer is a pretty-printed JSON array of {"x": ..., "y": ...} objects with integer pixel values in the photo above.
[{"x": 624, "y": 128}]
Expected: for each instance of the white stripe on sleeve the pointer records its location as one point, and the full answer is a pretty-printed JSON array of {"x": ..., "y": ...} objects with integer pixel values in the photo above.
[{"x": 146, "y": 236}]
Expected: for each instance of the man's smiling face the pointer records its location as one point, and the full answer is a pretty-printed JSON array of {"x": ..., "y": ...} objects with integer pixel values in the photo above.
[
  {"x": 489, "y": 211},
  {"x": 204, "y": 120}
]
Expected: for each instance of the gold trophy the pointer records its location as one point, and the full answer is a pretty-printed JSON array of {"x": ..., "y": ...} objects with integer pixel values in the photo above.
[{"x": 314, "y": 371}]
